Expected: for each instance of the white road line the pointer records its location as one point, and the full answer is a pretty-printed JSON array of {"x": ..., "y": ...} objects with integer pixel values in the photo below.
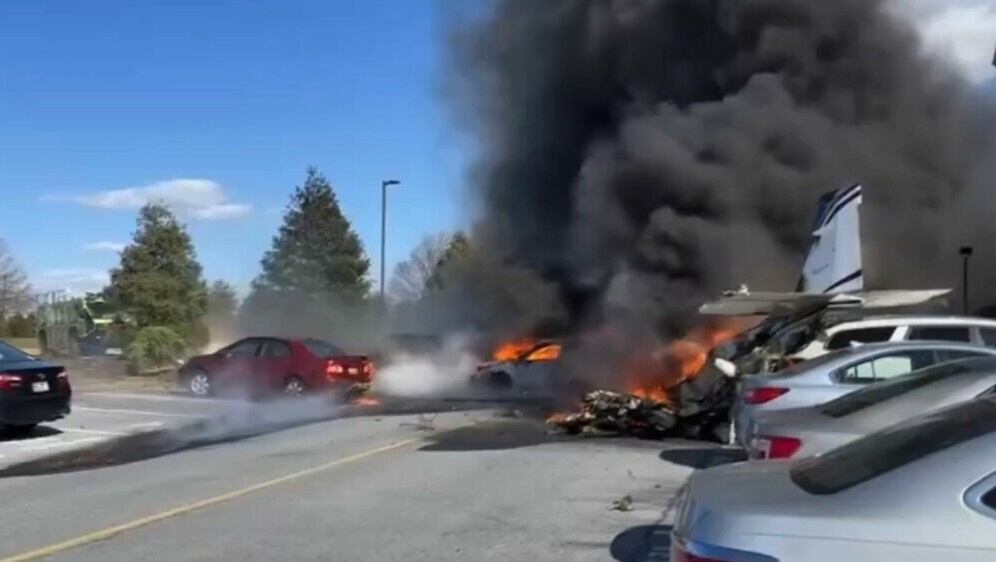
[
  {"x": 48, "y": 446},
  {"x": 91, "y": 431},
  {"x": 133, "y": 412},
  {"x": 149, "y": 425}
]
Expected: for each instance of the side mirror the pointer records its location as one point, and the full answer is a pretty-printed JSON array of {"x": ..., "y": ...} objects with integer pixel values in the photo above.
[{"x": 837, "y": 377}]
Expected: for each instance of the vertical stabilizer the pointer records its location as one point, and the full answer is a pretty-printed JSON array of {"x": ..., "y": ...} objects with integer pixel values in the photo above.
[{"x": 833, "y": 264}]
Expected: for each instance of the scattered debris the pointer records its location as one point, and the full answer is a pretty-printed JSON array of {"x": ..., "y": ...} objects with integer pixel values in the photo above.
[
  {"x": 423, "y": 422},
  {"x": 624, "y": 503},
  {"x": 604, "y": 410},
  {"x": 356, "y": 390}
]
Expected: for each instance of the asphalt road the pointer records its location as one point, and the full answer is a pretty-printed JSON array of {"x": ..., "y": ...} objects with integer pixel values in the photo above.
[
  {"x": 99, "y": 416},
  {"x": 473, "y": 486}
]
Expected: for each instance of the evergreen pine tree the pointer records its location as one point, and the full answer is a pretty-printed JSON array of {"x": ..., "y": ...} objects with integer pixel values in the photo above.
[
  {"x": 158, "y": 280},
  {"x": 313, "y": 280}
]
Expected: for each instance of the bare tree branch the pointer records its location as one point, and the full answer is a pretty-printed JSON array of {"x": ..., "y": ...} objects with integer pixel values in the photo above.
[
  {"x": 411, "y": 276},
  {"x": 15, "y": 291}
]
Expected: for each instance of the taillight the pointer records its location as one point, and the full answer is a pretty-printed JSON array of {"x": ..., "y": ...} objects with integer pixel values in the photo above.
[
  {"x": 62, "y": 379},
  {"x": 9, "y": 381},
  {"x": 763, "y": 395},
  {"x": 777, "y": 447},
  {"x": 333, "y": 368},
  {"x": 685, "y": 551}
]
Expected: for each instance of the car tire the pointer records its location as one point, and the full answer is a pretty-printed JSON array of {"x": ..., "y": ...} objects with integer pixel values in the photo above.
[
  {"x": 199, "y": 384},
  {"x": 21, "y": 430},
  {"x": 294, "y": 387}
]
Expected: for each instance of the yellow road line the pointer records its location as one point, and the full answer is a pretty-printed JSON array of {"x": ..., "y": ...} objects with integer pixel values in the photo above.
[{"x": 110, "y": 532}]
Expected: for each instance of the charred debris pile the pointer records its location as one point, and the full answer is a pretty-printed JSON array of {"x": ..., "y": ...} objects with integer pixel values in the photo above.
[{"x": 697, "y": 408}]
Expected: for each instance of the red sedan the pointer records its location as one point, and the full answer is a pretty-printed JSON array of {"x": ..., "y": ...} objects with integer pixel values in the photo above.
[{"x": 264, "y": 366}]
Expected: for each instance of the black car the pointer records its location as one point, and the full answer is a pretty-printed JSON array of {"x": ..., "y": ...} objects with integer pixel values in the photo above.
[{"x": 32, "y": 391}]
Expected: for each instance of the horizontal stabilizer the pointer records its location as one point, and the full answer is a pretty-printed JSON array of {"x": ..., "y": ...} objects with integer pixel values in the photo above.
[{"x": 744, "y": 303}]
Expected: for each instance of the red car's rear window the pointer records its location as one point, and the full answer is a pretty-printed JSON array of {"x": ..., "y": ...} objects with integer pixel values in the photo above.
[{"x": 323, "y": 349}]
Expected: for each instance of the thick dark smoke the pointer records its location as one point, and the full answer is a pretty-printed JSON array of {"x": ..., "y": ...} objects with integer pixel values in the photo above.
[{"x": 660, "y": 151}]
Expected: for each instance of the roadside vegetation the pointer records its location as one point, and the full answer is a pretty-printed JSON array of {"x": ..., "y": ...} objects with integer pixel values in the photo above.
[{"x": 315, "y": 280}]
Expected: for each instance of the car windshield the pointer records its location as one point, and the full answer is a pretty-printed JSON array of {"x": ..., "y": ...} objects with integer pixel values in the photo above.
[
  {"x": 880, "y": 392},
  {"x": 884, "y": 451},
  {"x": 10, "y": 354},
  {"x": 323, "y": 349}
]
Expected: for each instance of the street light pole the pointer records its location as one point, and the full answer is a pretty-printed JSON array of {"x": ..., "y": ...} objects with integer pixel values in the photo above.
[
  {"x": 383, "y": 232},
  {"x": 966, "y": 252}
]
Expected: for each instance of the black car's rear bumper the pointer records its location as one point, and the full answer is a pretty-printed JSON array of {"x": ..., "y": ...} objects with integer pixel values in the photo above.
[{"x": 26, "y": 410}]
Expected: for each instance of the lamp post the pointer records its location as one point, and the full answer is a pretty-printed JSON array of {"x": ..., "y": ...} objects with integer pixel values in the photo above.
[
  {"x": 966, "y": 253},
  {"x": 383, "y": 232}
]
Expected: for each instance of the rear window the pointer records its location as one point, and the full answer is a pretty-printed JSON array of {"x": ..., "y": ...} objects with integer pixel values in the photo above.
[
  {"x": 895, "y": 447},
  {"x": 323, "y": 349},
  {"x": 888, "y": 389},
  {"x": 10, "y": 354},
  {"x": 988, "y": 336},
  {"x": 940, "y": 333},
  {"x": 844, "y": 339}
]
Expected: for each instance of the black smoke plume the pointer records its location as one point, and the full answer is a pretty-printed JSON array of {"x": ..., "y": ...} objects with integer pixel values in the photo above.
[{"x": 655, "y": 152}]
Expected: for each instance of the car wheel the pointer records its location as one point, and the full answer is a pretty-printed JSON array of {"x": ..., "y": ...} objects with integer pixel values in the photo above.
[
  {"x": 294, "y": 386},
  {"x": 199, "y": 384},
  {"x": 20, "y": 430}
]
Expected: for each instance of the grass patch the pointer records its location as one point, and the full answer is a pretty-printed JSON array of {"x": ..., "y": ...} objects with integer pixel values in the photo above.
[{"x": 29, "y": 345}]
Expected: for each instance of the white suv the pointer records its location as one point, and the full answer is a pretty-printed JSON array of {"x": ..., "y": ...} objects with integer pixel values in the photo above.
[{"x": 876, "y": 329}]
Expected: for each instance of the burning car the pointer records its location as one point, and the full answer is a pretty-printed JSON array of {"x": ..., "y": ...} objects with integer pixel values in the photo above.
[{"x": 528, "y": 366}]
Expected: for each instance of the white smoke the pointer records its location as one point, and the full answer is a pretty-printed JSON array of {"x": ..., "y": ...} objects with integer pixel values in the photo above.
[{"x": 411, "y": 376}]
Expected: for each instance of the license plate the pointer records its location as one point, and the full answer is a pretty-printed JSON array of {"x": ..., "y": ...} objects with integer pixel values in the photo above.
[
  {"x": 41, "y": 386},
  {"x": 353, "y": 370}
]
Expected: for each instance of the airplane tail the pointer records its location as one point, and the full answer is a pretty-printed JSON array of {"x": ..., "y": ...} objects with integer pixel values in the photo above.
[
  {"x": 833, "y": 264},
  {"x": 832, "y": 274}
]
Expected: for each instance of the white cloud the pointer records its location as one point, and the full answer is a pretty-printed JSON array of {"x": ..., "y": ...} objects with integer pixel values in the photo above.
[
  {"x": 963, "y": 31},
  {"x": 73, "y": 281},
  {"x": 194, "y": 198},
  {"x": 104, "y": 246}
]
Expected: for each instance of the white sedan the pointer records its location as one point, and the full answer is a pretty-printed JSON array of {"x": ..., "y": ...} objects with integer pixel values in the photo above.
[{"x": 922, "y": 490}]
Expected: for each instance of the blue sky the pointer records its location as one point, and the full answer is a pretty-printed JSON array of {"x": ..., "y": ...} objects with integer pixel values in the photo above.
[{"x": 217, "y": 107}]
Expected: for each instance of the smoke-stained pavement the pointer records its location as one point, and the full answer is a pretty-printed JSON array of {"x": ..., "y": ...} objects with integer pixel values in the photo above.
[{"x": 477, "y": 487}]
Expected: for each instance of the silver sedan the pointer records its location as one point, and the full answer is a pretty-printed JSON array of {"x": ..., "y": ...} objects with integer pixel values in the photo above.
[
  {"x": 802, "y": 432},
  {"x": 838, "y": 373},
  {"x": 920, "y": 491}
]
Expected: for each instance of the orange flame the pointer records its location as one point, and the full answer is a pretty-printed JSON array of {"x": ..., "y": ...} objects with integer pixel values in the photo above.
[
  {"x": 367, "y": 401},
  {"x": 654, "y": 377},
  {"x": 559, "y": 417},
  {"x": 510, "y": 351},
  {"x": 546, "y": 353}
]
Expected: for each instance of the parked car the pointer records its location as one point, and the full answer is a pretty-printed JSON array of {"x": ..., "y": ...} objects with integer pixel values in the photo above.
[
  {"x": 878, "y": 329},
  {"x": 922, "y": 490},
  {"x": 32, "y": 391},
  {"x": 801, "y": 432},
  {"x": 838, "y": 373},
  {"x": 261, "y": 366}
]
